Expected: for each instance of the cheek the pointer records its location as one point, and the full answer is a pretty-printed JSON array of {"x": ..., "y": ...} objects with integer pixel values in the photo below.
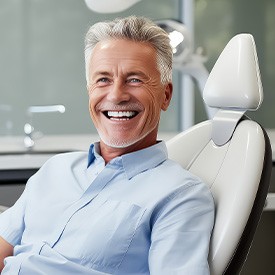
[
  {"x": 91, "y": 107},
  {"x": 94, "y": 99},
  {"x": 153, "y": 104}
]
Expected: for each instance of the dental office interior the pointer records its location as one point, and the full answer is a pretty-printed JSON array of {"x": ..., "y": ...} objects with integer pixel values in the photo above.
[{"x": 43, "y": 97}]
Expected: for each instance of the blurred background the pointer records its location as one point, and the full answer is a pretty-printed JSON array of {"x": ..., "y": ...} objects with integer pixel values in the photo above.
[{"x": 42, "y": 62}]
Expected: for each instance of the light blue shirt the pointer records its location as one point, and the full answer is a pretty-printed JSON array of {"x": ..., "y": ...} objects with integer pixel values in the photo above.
[{"x": 140, "y": 214}]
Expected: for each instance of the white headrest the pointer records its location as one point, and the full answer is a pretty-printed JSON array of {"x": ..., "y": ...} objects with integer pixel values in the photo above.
[{"x": 235, "y": 81}]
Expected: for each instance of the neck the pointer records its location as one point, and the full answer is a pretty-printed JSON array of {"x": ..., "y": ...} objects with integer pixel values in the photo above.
[{"x": 108, "y": 153}]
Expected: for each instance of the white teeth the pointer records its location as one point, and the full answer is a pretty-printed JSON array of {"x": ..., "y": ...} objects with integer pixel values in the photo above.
[{"x": 127, "y": 114}]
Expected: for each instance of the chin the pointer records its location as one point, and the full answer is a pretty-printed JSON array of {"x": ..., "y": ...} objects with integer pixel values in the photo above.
[
  {"x": 118, "y": 143},
  {"x": 121, "y": 143}
]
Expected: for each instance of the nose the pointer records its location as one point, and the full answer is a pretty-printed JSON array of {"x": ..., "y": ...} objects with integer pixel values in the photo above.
[{"x": 118, "y": 93}]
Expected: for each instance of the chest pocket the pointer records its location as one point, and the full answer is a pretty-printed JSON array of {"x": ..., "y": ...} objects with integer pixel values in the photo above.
[{"x": 100, "y": 236}]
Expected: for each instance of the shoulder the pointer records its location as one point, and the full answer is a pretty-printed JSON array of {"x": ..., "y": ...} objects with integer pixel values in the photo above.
[
  {"x": 170, "y": 181},
  {"x": 185, "y": 190},
  {"x": 189, "y": 183},
  {"x": 174, "y": 172},
  {"x": 187, "y": 199},
  {"x": 189, "y": 187},
  {"x": 60, "y": 169},
  {"x": 66, "y": 160}
]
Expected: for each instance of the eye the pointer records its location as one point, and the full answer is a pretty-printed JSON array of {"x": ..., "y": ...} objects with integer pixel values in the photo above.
[
  {"x": 134, "y": 80},
  {"x": 103, "y": 81}
]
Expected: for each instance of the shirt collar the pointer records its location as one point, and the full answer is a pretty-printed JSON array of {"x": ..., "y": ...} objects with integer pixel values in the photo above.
[
  {"x": 94, "y": 153},
  {"x": 136, "y": 162}
]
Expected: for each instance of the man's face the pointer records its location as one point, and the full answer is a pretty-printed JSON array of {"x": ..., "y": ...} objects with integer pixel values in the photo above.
[{"x": 125, "y": 93}]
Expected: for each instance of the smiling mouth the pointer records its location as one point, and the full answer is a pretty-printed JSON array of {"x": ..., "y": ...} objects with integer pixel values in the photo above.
[{"x": 120, "y": 115}]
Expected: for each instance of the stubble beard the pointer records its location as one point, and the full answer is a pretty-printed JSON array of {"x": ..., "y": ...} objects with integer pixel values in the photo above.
[{"x": 120, "y": 144}]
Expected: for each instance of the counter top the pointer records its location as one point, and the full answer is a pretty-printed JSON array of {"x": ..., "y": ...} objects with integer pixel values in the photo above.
[{"x": 13, "y": 154}]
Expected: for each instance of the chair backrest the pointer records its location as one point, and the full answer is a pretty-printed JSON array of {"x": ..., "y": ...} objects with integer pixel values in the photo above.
[{"x": 230, "y": 153}]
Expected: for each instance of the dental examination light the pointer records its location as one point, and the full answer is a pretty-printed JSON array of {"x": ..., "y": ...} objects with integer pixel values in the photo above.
[
  {"x": 185, "y": 60},
  {"x": 107, "y": 6}
]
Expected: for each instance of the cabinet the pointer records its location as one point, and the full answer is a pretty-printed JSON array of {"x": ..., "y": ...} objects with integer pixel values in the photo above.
[{"x": 12, "y": 184}]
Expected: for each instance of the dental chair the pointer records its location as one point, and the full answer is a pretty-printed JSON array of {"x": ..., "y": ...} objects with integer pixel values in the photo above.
[{"x": 230, "y": 153}]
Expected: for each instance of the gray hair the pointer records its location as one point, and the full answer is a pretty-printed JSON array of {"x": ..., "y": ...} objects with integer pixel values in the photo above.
[{"x": 138, "y": 29}]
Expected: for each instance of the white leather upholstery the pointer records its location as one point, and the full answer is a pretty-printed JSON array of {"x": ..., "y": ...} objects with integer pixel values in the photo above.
[
  {"x": 234, "y": 86},
  {"x": 232, "y": 168},
  {"x": 234, "y": 81},
  {"x": 232, "y": 172}
]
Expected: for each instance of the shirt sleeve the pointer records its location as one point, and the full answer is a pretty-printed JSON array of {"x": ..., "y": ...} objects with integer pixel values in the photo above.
[
  {"x": 181, "y": 233},
  {"x": 12, "y": 221}
]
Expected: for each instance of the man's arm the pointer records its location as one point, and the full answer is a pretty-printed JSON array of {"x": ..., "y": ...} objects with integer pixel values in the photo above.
[
  {"x": 5, "y": 250},
  {"x": 181, "y": 234},
  {"x": 11, "y": 228}
]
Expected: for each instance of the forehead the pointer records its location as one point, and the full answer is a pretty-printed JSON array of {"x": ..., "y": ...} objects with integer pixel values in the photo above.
[{"x": 116, "y": 52}]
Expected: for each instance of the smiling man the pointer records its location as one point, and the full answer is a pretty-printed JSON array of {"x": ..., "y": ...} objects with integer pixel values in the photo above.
[
  {"x": 126, "y": 97},
  {"x": 122, "y": 208}
]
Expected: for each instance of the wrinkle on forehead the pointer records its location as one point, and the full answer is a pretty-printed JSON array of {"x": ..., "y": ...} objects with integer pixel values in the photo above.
[{"x": 123, "y": 56}]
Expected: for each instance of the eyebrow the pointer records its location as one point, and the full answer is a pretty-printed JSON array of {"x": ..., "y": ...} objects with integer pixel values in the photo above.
[
  {"x": 105, "y": 73},
  {"x": 138, "y": 73},
  {"x": 128, "y": 74}
]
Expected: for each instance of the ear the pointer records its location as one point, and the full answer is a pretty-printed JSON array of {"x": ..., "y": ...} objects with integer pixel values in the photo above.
[{"x": 167, "y": 96}]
